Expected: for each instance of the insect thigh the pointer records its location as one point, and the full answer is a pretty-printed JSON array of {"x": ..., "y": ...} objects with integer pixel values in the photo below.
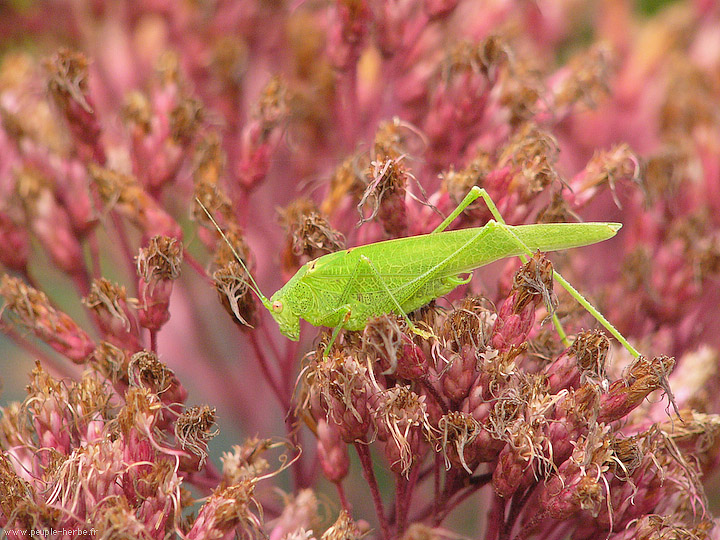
[{"x": 424, "y": 280}]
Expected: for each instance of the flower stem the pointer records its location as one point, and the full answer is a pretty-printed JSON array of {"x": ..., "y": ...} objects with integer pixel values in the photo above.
[
  {"x": 343, "y": 497},
  {"x": 363, "y": 452},
  {"x": 265, "y": 368}
]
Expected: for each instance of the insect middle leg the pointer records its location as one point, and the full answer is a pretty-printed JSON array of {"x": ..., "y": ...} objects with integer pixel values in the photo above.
[
  {"x": 391, "y": 296},
  {"x": 478, "y": 192},
  {"x": 345, "y": 309}
]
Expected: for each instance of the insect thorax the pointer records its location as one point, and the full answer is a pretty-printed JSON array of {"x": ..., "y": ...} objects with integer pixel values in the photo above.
[{"x": 300, "y": 298}]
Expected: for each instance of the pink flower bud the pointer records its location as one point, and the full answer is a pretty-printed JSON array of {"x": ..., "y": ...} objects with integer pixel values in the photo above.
[
  {"x": 301, "y": 512},
  {"x": 332, "y": 451},
  {"x": 564, "y": 500},
  {"x": 642, "y": 377},
  {"x": 162, "y": 127},
  {"x": 509, "y": 472},
  {"x": 147, "y": 371},
  {"x": 605, "y": 168},
  {"x": 228, "y": 508},
  {"x": 386, "y": 342},
  {"x": 109, "y": 303},
  {"x": 32, "y": 309},
  {"x": 459, "y": 437},
  {"x": 50, "y": 222},
  {"x": 532, "y": 285},
  {"x": 340, "y": 387},
  {"x": 347, "y": 32},
  {"x": 583, "y": 360},
  {"x": 385, "y": 195},
  {"x": 158, "y": 266},
  {"x": 309, "y": 235},
  {"x": 129, "y": 198},
  {"x": 460, "y": 375},
  {"x": 401, "y": 418},
  {"x": 437, "y": 9},
  {"x": 261, "y": 136},
  {"x": 14, "y": 244},
  {"x": 68, "y": 85}
]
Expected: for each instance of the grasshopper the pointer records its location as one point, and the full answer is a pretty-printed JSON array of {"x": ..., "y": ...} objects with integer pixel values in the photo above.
[{"x": 343, "y": 290}]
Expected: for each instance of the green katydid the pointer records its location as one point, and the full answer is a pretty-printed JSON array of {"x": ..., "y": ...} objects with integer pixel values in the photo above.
[{"x": 343, "y": 290}]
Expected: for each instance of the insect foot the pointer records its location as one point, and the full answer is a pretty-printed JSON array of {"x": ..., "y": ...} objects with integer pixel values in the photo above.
[{"x": 425, "y": 334}]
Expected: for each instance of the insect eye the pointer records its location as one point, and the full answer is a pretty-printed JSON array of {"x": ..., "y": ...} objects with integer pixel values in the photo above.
[{"x": 277, "y": 306}]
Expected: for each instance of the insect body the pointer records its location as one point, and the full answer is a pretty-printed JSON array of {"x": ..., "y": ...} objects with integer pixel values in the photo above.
[{"x": 346, "y": 288}]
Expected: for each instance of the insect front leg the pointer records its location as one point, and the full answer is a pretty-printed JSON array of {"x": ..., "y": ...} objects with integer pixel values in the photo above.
[
  {"x": 346, "y": 312},
  {"x": 477, "y": 192},
  {"x": 342, "y": 313}
]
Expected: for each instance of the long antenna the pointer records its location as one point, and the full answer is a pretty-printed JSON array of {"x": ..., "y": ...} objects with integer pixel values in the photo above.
[{"x": 254, "y": 286}]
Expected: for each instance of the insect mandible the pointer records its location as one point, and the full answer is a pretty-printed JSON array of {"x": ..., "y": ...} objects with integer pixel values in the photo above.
[{"x": 343, "y": 290}]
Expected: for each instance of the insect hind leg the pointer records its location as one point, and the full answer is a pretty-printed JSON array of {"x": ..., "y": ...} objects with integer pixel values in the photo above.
[{"x": 478, "y": 192}]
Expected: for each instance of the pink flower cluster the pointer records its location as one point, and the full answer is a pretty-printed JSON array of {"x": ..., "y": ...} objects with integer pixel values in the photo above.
[{"x": 151, "y": 152}]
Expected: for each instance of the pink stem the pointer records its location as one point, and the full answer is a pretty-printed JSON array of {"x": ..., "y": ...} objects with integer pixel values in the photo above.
[
  {"x": 153, "y": 341},
  {"x": 402, "y": 503},
  {"x": 517, "y": 504},
  {"x": 477, "y": 483},
  {"x": 265, "y": 368},
  {"x": 343, "y": 497},
  {"x": 195, "y": 265},
  {"x": 369, "y": 474},
  {"x": 94, "y": 253},
  {"x": 496, "y": 518},
  {"x": 537, "y": 518}
]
